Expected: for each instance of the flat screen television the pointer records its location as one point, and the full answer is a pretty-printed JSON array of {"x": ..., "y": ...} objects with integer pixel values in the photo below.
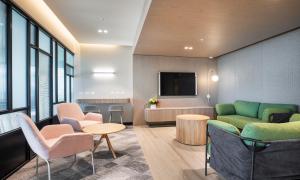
[{"x": 177, "y": 84}]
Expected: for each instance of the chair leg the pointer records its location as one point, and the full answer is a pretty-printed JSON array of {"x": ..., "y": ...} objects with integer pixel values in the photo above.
[
  {"x": 92, "y": 154},
  {"x": 49, "y": 171},
  {"x": 75, "y": 158},
  {"x": 110, "y": 117},
  {"x": 121, "y": 117},
  {"x": 37, "y": 166}
]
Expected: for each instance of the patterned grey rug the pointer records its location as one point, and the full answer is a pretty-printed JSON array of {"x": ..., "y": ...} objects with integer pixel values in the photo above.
[{"x": 129, "y": 165}]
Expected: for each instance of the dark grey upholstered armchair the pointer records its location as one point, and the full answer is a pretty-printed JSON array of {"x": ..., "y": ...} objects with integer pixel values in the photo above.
[{"x": 234, "y": 160}]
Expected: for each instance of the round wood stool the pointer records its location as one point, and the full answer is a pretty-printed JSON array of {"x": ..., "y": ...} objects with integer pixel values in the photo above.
[{"x": 191, "y": 129}]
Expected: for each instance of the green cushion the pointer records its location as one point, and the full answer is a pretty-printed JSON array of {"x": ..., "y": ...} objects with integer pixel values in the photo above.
[
  {"x": 225, "y": 109},
  {"x": 225, "y": 126},
  {"x": 263, "y": 106},
  {"x": 246, "y": 108},
  {"x": 295, "y": 117},
  {"x": 237, "y": 120},
  {"x": 272, "y": 131},
  {"x": 269, "y": 111}
]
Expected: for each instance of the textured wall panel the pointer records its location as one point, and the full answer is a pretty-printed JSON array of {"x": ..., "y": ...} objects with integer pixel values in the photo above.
[{"x": 267, "y": 72}]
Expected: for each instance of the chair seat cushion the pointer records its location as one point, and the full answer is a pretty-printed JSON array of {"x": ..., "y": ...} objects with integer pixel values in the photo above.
[
  {"x": 85, "y": 123},
  {"x": 237, "y": 120}
]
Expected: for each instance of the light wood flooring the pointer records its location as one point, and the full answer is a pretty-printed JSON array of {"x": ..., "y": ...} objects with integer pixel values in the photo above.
[{"x": 169, "y": 159}]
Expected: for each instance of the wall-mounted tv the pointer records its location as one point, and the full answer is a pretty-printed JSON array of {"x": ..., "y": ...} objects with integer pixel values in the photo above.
[{"x": 177, "y": 84}]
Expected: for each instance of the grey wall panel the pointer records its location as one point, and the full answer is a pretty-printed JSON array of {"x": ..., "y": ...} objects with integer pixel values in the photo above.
[
  {"x": 267, "y": 72},
  {"x": 145, "y": 81}
]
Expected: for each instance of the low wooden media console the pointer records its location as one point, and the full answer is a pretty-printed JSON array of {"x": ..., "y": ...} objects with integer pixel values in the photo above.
[{"x": 168, "y": 114}]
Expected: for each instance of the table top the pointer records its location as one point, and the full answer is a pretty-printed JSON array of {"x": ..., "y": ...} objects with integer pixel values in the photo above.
[
  {"x": 192, "y": 117},
  {"x": 106, "y": 128}
]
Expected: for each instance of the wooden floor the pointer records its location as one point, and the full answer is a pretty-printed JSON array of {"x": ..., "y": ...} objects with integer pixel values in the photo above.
[{"x": 169, "y": 159}]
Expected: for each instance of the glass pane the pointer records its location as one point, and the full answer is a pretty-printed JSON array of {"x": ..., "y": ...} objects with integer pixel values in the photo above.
[
  {"x": 61, "y": 73},
  {"x": 54, "y": 71},
  {"x": 3, "y": 60},
  {"x": 54, "y": 109},
  {"x": 72, "y": 89},
  {"x": 69, "y": 71},
  {"x": 32, "y": 84},
  {"x": 44, "y": 41},
  {"x": 19, "y": 61},
  {"x": 68, "y": 89},
  {"x": 32, "y": 34},
  {"x": 70, "y": 59},
  {"x": 8, "y": 122},
  {"x": 44, "y": 86}
]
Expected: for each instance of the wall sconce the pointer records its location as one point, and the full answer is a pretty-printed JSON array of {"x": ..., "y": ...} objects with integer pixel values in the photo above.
[
  {"x": 211, "y": 76},
  {"x": 104, "y": 73}
]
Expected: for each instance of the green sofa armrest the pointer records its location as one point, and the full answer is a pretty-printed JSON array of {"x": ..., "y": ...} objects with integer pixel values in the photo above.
[
  {"x": 225, "y": 126},
  {"x": 268, "y": 112},
  {"x": 295, "y": 117},
  {"x": 225, "y": 109}
]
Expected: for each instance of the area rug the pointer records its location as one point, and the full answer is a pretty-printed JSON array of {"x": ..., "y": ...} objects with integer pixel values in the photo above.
[{"x": 130, "y": 163}]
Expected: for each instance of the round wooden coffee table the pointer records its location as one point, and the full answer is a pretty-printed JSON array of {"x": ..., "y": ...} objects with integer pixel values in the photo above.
[
  {"x": 103, "y": 130},
  {"x": 191, "y": 129}
]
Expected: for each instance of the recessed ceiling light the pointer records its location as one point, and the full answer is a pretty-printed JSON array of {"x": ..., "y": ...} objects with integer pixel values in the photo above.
[
  {"x": 186, "y": 47},
  {"x": 105, "y": 31},
  {"x": 190, "y": 48},
  {"x": 100, "y": 30},
  {"x": 210, "y": 57},
  {"x": 202, "y": 39}
]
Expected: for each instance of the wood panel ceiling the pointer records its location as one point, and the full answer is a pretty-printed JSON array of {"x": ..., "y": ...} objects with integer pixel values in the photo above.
[{"x": 225, "y": 25}]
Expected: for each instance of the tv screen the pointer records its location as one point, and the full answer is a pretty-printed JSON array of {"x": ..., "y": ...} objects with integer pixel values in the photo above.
[{"x": 177, "y": 84}]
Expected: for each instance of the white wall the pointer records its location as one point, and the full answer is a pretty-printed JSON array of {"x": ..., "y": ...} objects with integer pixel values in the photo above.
[
  {"x": 266, "y": 72},
  {"x": 102, "y": 58}
]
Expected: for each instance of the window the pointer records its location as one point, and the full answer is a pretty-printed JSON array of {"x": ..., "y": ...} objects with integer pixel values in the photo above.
[
  {"x": 32, "y": 83},
  {"x": 70, "y": 76},
  {"x": 54, "y": 71},
  {"x": 44, "y": 41},
  {"x": 61, "y": 73},
  {"x": 19, "y": 85},
  {"x": 3, "y": 58},
  {"x": 44, "y": 86}
]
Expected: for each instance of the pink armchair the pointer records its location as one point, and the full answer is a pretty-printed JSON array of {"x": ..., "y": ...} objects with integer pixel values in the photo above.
[
  {"x": 70, "y": 113},
  {"x": 55, "y": 141}
]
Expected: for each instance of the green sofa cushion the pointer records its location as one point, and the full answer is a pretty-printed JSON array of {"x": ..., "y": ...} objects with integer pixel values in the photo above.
[
  {"x": 295, "y": 117},
  {"x": 225, "y": 126},
  {"x": 269, "y": 111},
  {"x": 263, "y": 106},
  {"x": 246, "y": 108},
  {"x": 272, "y": 131},
  {"x": 237, "y": 120},
  {"x": 225, "y": 109}
]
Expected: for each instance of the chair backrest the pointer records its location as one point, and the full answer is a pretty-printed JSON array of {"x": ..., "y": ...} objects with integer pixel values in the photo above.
[
  {"x": 33, "y": 136},
  {"x": 69, "y": 110}
]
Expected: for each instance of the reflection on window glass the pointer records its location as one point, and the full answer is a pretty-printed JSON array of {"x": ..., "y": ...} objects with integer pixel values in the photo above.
[
  {"x": 19, "y": 61},
  {"x": 3, "y": 61},
  {"x": 69, "y": 70},
  {"x": 68, "y": 89},
  {"x": 70, "y": 59},
  {"x": 32, "y": 34},
  {"x": 54, "y": 71},
  {"x": 72, "y": 89},
  {"x": 32, "y": 84},
  {"x": 60, "y": 74},
  {"x": 44, "y": 41},
  {"x": 44, "y": 86},
  {"x": 9, "y": 122}
]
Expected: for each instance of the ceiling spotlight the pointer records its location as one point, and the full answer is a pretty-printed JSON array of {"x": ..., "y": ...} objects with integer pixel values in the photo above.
[
  {"x": 190, "y": 48},
  {"x": 201, "y": 39},
  {"x": 105, "y": 31},
  {"x": 100, "y": 30},
  {"x": 186, "y": 47},
  {"x": 210, "y": 57}
]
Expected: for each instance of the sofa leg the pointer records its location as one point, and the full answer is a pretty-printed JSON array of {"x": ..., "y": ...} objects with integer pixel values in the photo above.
[
  {"x": 252, "y": 161},
  {"x": 206, "y": 149}
]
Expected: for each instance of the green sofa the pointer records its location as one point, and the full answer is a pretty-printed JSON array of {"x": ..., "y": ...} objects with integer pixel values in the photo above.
[
  {"x": 241, "y": 112},
  {"x": 259, "y": 151}
]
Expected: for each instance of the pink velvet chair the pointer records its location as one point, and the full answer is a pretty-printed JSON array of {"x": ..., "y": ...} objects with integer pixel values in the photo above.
[
  {"x": 55, "y": 141},
  {"x": 71, "y": 113}
]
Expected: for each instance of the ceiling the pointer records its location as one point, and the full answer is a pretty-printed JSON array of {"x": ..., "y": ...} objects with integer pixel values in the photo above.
[
  {"x": 83, "y": 19},
  {"x": 225, "y": 25}
]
